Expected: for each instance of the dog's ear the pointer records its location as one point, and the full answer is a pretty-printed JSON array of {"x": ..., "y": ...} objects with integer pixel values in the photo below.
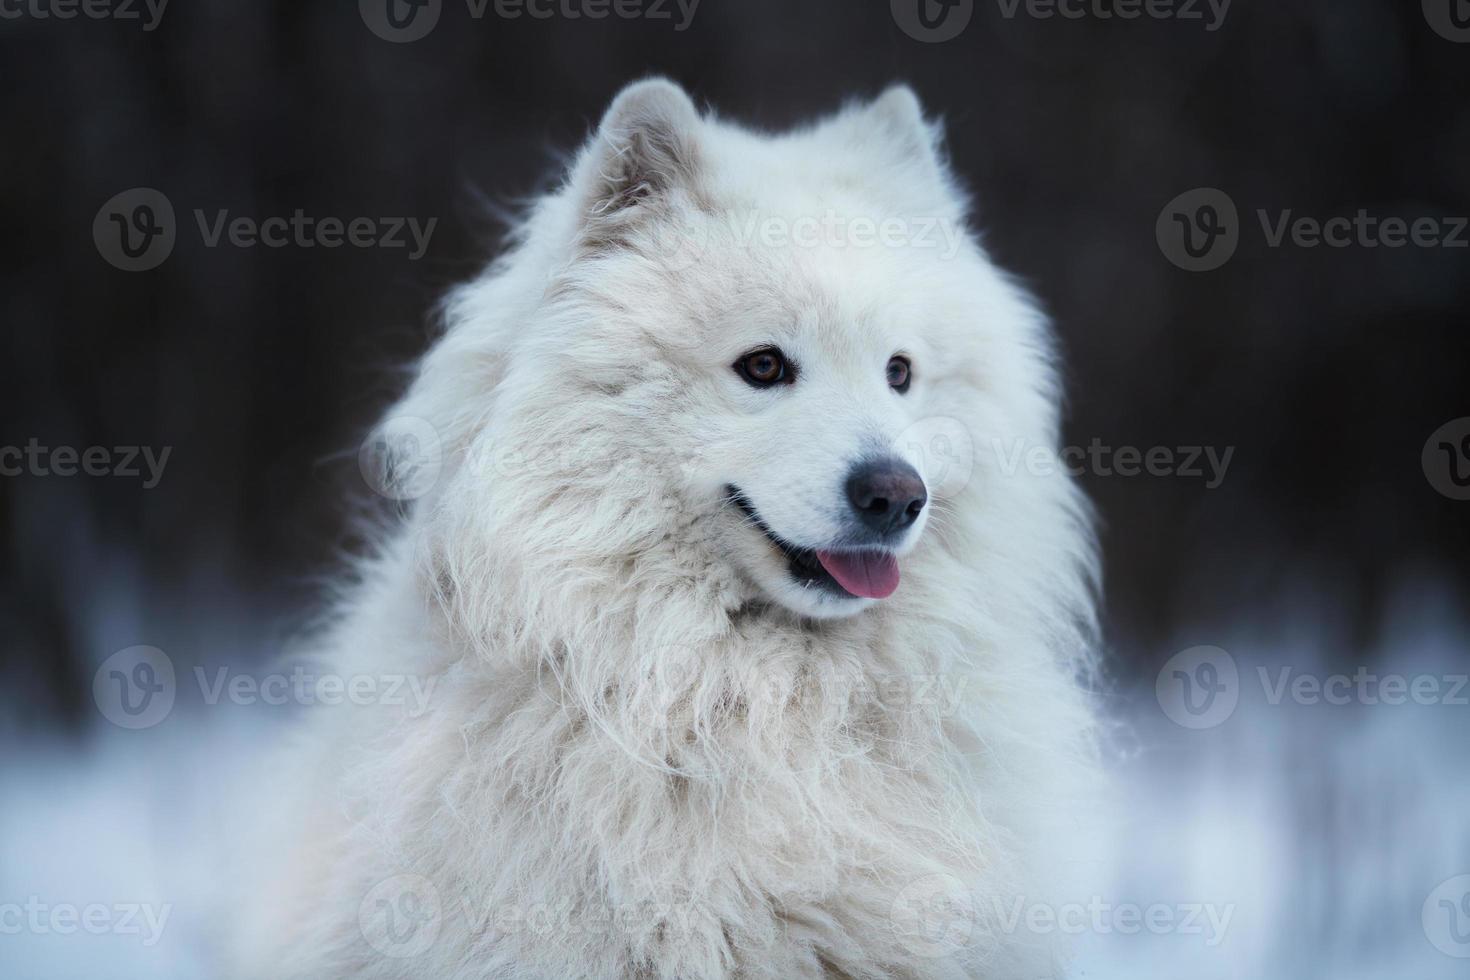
[
  {"x": 646, "y": 146},
  {"x": 899, "y": 116}
]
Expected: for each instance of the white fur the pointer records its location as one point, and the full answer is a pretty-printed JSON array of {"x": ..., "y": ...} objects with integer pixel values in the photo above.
[{"x": 636, "y": 709}]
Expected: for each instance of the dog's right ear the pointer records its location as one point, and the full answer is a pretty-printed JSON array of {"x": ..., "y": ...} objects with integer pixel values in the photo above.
[{"x": 646, "y": 147}]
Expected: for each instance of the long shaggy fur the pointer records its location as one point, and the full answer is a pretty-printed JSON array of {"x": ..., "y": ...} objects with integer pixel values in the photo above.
[{"x": 637, "y": 761}]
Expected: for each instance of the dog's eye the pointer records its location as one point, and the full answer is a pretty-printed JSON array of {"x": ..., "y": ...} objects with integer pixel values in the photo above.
[
  {"x": 764, "y": 367},
  {"x": 898, "y": 374}
]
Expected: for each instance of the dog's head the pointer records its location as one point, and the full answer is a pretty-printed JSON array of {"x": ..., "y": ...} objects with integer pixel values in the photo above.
[{"x": 754, "y": 362}]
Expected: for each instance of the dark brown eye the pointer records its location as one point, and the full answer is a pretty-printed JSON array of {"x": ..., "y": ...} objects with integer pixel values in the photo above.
[
  {"x": 765, "y": 367},
  {"x": 898, "y": 374}
]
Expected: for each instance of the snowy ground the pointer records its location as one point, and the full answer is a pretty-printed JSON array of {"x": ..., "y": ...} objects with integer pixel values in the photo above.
[{"x": 1289, "y": 840}]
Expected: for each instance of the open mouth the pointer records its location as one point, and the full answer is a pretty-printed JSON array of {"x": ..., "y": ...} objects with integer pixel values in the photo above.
[{"x": 852, "y": 574}]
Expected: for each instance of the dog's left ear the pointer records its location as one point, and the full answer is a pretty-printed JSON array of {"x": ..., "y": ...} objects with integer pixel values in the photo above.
[
  {"x": 898, "y": 116},
  {"x": 646, "y": 147}
]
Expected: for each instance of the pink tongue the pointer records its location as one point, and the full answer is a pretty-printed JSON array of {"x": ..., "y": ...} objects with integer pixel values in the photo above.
[{"x": 866, "y": 574}]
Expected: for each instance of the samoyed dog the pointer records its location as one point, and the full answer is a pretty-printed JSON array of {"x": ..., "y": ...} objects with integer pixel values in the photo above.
[{"x": 748, "y": 655}]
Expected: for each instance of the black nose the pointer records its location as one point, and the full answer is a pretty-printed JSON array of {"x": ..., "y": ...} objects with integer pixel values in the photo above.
[{"x": 886, "y": 494}]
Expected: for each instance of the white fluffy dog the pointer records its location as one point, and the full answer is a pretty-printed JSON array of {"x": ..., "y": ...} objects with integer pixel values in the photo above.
[{"x": 748, "y": 657}]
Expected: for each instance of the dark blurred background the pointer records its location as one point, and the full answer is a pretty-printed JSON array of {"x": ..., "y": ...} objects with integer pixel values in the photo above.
[
  {"x": 1326, "y": 369},
  {"x": 260, "y": 369}
]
